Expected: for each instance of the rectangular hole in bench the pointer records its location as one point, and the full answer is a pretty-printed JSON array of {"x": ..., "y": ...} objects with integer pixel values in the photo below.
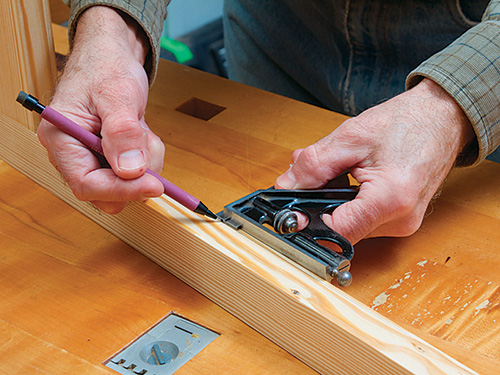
[{"x": 200, "y": 109}]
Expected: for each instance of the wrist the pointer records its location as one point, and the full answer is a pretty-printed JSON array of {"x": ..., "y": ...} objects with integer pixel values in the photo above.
[
  {"x": 107, "y": 29},
  {"x": 448, "y": 114}
]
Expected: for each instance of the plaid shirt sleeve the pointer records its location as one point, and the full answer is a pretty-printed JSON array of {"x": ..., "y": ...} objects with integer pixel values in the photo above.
[
  {"x": 149, "y": 14},
  {"x": 469, "y": 70}
]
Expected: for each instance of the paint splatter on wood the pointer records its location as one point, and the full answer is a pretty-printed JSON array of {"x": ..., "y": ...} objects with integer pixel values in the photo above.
[{"x": 466, "y": 311}]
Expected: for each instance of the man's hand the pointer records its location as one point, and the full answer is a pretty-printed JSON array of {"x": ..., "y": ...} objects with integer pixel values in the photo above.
[
  {"x": 399, "y": 151},
  {"x": 104, "y": 89}
]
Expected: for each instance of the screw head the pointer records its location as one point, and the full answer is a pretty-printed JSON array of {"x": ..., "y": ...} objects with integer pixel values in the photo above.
[{"x": 285, "y": 221}]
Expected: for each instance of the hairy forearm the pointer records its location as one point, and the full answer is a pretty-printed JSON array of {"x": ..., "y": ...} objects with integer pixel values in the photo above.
[
  {"x": 106, "y": 29},
  {"x": 457, "y": 132}
]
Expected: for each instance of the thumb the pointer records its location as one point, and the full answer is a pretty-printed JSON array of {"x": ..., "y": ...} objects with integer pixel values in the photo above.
[{"x": 125, "y": 144}]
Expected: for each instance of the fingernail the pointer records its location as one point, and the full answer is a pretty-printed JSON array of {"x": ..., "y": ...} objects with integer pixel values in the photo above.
[
  {"x": 287, "y": 180},
  {"x": 130, "y": 160}
]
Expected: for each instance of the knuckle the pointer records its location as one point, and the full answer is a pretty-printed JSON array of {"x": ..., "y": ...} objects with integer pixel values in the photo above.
[
  {"x": 309, "y": 156},
  {"x": 41, "y": 132},
  {"x": 124, "y": 131},
  {"x": 112, "y": 209},
  {"x": 311, "y": 163},
  {"x": 78, "y": 191},
  {"x": 403, "y": 204},
  {"x": 412, "y": 227},
  {"x": 407, "y": 214},
  {"x": 157, "y": 147},
  {"x": 127, "y": 130},
  {"x": 84, "y": 189},
  {"x": 352, "y": 128},
  {"x": 358, "y": 220},
  {"x": 409, "y": 226},
  {"x": 81, "y": 188},
  {"x": 403, "y": 197}
]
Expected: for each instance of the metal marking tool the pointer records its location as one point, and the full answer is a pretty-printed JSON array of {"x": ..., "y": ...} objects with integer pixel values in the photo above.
[{"x": 269, "y": 215}]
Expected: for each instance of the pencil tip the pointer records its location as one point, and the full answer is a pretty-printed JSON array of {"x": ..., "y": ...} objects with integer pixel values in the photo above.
[{"x": 203, "y": 210}]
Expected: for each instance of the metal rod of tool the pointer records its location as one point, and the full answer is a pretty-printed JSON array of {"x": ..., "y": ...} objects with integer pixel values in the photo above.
[{"x": 94, "y": 142}]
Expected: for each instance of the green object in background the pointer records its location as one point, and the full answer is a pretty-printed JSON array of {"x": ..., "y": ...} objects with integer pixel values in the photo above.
[{"x": 181, "y": 52}]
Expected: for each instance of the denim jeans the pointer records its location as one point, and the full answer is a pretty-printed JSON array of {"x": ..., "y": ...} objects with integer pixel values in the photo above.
[{"x": 344, "y": 55}]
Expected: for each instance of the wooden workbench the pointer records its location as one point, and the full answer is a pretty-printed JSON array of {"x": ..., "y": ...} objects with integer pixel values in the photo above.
[
  {"x": 72, "y": 295},
  {"x": 441, "y": 283}
]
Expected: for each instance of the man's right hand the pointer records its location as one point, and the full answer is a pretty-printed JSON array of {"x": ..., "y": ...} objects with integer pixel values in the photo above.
[{"x": 104, "y": 89}]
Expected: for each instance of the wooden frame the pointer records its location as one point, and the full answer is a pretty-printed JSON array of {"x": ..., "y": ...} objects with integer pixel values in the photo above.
[
  {"x": 318, "y": 323},
  {"x": 27, "y": 57}
]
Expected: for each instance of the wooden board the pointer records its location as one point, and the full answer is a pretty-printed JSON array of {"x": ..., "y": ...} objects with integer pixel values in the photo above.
[{"x": 410, "y": 281}]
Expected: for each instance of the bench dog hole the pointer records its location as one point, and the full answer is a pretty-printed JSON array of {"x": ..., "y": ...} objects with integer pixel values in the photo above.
[{"x": 200, "y": 109}]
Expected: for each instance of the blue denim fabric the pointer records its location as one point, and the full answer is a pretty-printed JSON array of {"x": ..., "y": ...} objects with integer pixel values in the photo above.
[
  {"x": 344, "y": 55},
  {"x": 495, "y": 155}
]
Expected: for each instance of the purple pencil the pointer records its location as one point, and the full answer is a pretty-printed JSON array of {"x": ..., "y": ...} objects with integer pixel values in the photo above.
[{"x": 93, "y": 142}]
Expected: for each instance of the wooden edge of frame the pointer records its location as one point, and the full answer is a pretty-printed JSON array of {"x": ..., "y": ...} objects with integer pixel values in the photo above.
[
  {"x": 313, "y": 320},
  {"x": 27, "y": 59}
]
